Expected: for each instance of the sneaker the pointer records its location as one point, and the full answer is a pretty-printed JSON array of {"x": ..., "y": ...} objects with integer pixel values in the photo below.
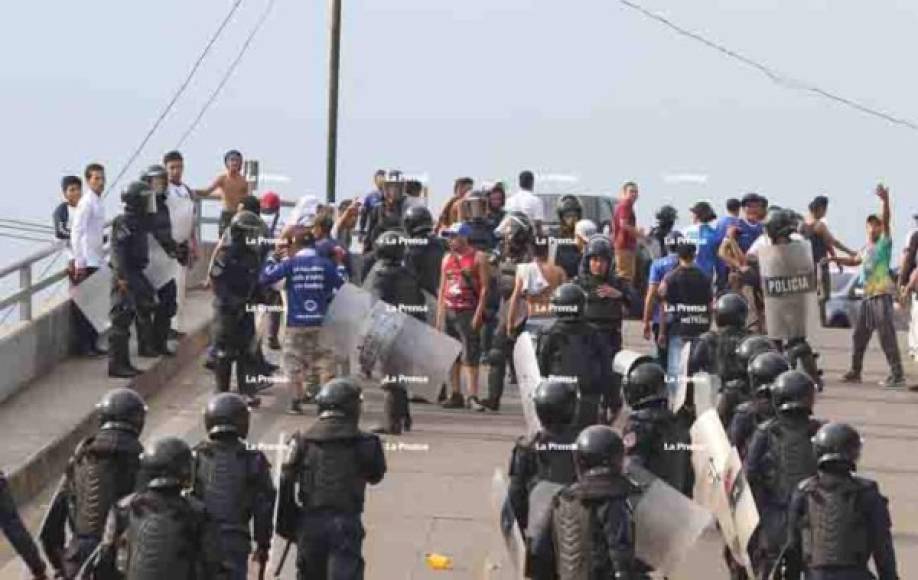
[
  {"x": 474, "y": 404},
  {"x": 491, "y": 404},
  {"x": 852, "y": 377},
  {"x": 455, "y": 401},
  {"x": 295, "y": 408},
  {"x": 893, "y": 382}
]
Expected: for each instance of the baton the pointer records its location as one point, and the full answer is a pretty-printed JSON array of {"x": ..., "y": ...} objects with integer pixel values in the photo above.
[{"x": 283, "y": 558}]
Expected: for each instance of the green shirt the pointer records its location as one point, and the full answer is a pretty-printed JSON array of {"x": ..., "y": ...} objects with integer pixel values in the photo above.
[{"x": 875, "y": 259}]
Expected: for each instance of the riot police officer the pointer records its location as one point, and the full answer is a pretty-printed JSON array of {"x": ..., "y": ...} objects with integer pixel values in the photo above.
[
  {"x": 161, "y": 231},
  {"x": 133, "y": 296},
  {"x": 544, "y": 461},
  {"x": 566, "y": 253},
  {"x": 394, "y": 284},
  {"x": 571, "y": 350},
  {"x": 389, "y": 214},
  {"x": 516, "y": 235},
  {"x": 763, "y": 370},
  {"x": 780, "y": 456},
  {"x": 424, "y": 255},
  {"x": 736, "y": 391},
  {"x": 234, "y": 277},
  {"x": 714, "y": 352},
  {"x": 592, "y": 523},
  {"x": 473, "y": 210},
  {"x": 16, "y": 533},
  {"x": 157, "y": 532},
  {"x": 654, "y": 436},
  {"x": 234, "y": 483},
  {"x": 330, "y": 464},
  {"x": 839, "y": 521},
  {"x": 103, "y": 469},
  {"x": 608, "y": 298}
]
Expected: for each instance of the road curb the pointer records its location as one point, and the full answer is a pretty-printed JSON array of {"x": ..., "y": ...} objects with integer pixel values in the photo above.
[{"x": 47, "y": 464}]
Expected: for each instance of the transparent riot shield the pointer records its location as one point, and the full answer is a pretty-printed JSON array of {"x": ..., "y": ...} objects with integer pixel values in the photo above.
[
  {"x": 706, "y": 388},
  {"x": 678, "y": 385},
  {"x": 721, "y": 486},
  {"x": 344, "y": 319},
  {"x": 667, "y": 524},
  {"x": 510, "y": 531},
  {"x": 789, "y": 289},
  {"x": 528, "y": 377},
  {"x": 161, "y": 268},
  {"x": 93, "y": 297}
]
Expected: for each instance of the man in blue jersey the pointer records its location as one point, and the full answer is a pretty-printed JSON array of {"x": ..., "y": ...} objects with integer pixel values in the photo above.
[{"x": 658, "y": 270}]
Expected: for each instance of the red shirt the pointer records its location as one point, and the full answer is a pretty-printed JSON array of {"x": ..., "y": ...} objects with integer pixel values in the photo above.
[
  {"x": 624, "y": 215},
  {"x": 461, "y": 290}
]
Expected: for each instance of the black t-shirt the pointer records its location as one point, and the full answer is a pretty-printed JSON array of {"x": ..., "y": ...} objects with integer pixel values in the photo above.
[{"x": 688, "y": 302}]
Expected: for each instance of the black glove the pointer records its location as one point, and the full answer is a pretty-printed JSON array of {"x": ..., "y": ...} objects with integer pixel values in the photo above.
[{"x": 182, "y": 253}]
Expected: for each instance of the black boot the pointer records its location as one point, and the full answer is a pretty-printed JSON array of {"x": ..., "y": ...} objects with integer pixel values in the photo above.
[
  {"x": 223, "y": 371},
  {"x": 392, "y": 420},
  {"x": 119, "y": 362},
  {"x": 245, "y": 382},
  {"x": 161, "y": 327},
  {"x": 405, "y": 408},
  {"x": 146, "y": 346}
]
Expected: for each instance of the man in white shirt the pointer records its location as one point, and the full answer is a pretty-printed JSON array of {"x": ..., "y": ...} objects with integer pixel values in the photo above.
[
  {"x": 87, "y": 239},
  {"x": 180, "y": 201},
  {"x": 527, "y": 202}
]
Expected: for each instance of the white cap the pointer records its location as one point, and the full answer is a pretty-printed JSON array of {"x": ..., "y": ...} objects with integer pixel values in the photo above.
[{"x": 584, "y": 229}]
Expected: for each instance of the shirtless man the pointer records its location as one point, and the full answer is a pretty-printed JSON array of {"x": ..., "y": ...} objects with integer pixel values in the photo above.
[{"x": 231, "y": 187}]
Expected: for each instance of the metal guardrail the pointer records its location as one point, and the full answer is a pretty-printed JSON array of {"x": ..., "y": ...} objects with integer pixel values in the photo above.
[{"x": 28, "y": 287}]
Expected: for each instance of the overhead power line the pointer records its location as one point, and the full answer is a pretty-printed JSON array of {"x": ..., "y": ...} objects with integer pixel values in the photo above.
[
  {"x": 175, "y": 97},
  {"x": 773, "y": 75},
  {"x": 229, "y": 73}
]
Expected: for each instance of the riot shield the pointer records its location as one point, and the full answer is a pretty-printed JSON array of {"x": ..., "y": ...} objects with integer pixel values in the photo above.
[
  {"x": 384, "y": 339},
  {"x": 721, "y": 486},
  {"x": 789, "y": 289},
  {"x": 161, "y": 268},
  {"x": 510, "y": 531},
  {"x": 93, "y": 297},
  {"x": 528, "y": 377},
  {"x": 706, "y": 389},
  {"x": 667, "y": 524},
  {"x": 678, "y": 385}
]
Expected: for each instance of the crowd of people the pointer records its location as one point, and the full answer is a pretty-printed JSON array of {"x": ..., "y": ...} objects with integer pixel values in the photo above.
[{"x": 488, "y": 268}]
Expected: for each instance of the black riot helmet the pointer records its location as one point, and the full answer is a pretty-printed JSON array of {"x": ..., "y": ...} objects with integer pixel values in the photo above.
[
  {"x": 390, "y": 246},
  {"x": 418, "y": 221},
  {"x": 599, "y": 245},
  {"x": 751, "y": 346},
  {"x": 515, "y": 228},
  {"x": 136, "y": 198},
  {"x": 673, "y": 241},
  {"x": 837, "y": 443},
  {"x": 764, "y": 369},
  {"x": 793, "y": 391},
  {"x": 246, "y": 225},
  {"x": 122, "y": 409},
  {"x": 339, "y": 398},
  {"x": 227, "y": 413},
  {"x": 474, "y": 206},
  {"x": 667, "y": 215},
  {"x": 569, "y": 204},
  {"x": 555, "y": 402},
  {"x": 567, "y": 301},
  {"x": 645, "y": 384},
  {"x": 156, "y": 172},
  {"x": 599, "y": 446},
  {"x": 730, "y": 311},
  {"x": 780, "y": 224},
  {"x": 394, "y": 185},
  {"x": 167, "y": 463}
]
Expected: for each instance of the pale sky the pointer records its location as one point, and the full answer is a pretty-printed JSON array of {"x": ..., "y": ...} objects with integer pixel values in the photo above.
[{"x": 478, "y": 87}]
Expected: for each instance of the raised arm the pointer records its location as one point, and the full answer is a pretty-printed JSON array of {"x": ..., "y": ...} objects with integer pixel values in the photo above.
[{"x": 886, "y": 215}]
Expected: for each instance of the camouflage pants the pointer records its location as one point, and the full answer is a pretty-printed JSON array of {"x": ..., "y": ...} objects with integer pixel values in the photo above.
[{"x": 304, "y": 360}]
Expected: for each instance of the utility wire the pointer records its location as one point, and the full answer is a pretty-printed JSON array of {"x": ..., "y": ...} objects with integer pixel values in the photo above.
[
  {"x": 27, "y": 223},
  {"x": 229, "y": 73},
  {"x": 23, "y": 237},
  {"x": 773, "y": 75},
  {"x": 175, "y": 97}
]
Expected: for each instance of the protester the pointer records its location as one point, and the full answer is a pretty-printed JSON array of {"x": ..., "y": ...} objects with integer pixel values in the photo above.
[
  {"x": 231, "y": 187},
  {"x": 687, "y": 296},
  {"x": 535, "y": 283},
  {"x": 732, "y": 206},
  {"x": 450, "y": 212},
  {"x": 659, "y": 269},
  {"x": 908, "y": 284},
  {"x": 625, "y": 232},
  {"x": 87, "y": 243},
  {"x": 80, "y": 328},
  {"x": 666, "y": 218},
  {"x": 180, "y": 201},
  {"x": 464, "y": 283},
  {"x": 497, "y": 201},
  {"x": 875, "y": 310},
  {"x": 527, "y": 202},
  {"x": 371, "y": 200},
  {"x": 702, "y": 234},
  {"x": 343, "y": 231},
  {"x": 310, "y": 280},
  {"x": 824, "y": 245}
]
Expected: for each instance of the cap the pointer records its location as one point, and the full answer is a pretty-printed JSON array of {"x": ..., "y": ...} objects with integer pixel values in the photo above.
[
  {"x": 457, "y": 229},
  {"x": 270, "y": 200},
  {"x": 585, "y": 229}
]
